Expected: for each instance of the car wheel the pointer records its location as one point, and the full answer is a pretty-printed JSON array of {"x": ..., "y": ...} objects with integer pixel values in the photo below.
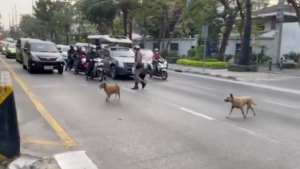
[
  {"x": 24, "y": 66},
  {"x": 60, "y": 71},
  {"x": 113, "y": 72},
  {"x": 29, "y": 68}
]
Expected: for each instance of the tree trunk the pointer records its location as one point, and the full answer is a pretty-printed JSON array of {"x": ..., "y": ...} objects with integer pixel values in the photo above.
[
  {"x": 130, "y": 27},
  {"x": 125, "y": 17},
  {"x": 145, "y": 25},
  {"x": 172, "y": 34},
  {"x": 228, "y": 28},
  {"x": 244, "y": 59},
  {"x": 160, "y": 34}
]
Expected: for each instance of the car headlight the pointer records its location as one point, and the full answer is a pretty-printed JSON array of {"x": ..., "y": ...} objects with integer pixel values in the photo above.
[{"x": 121, "y": 64}]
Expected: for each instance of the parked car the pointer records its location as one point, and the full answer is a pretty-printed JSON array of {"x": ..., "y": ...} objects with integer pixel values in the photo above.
[
  {"x": 42, "y": 55},
  {"x": 10, "y": 51},
  {"x": 3, "y": 47},
  {"x": 119, "y": 61},
  {"x": 19, "y": 48}
]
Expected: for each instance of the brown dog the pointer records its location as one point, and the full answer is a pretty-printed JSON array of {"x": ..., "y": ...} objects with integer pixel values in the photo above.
[
  {"x": 111, "y": 89},
  {"x": 240, "y": 102}
]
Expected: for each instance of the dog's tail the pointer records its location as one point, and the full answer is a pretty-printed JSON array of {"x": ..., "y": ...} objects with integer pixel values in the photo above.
[
  {"x": 117, "y": 84},
  {"x": 254, "y": 103}
]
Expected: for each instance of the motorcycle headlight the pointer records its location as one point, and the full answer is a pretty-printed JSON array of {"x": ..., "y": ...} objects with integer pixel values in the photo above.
[{"x": 121, "y": 64}]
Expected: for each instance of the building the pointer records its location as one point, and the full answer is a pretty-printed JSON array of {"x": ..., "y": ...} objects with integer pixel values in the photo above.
[{"x": 268, "y": 36}]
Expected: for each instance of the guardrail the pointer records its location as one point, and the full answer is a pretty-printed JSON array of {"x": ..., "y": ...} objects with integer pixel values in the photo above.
[{"x": 9, "y": 127}]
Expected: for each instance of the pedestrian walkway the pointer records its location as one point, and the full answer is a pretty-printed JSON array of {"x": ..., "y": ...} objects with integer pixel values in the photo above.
[
  {"x": 224, "y": 73},
  {"x": 275, "y": 70}
]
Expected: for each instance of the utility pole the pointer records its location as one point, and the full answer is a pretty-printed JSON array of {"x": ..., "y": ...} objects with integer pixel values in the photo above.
[
  {"x": 12, "y": 17},
  {"x": 16, "y": 15},
  {"x": 9, "y": 20},
  {"x": 279, "y": 23},
  {"x": 32, "y": 5}
]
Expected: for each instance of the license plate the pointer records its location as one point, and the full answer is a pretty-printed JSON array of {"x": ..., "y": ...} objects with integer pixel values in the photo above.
[{"x": 48, "y": 67}]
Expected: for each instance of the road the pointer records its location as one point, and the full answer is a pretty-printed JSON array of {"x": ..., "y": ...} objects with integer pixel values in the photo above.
[{"x": 174, "y": 124}]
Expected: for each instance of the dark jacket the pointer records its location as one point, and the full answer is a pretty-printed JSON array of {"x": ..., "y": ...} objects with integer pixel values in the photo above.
[
  {"x": 92, "y": 55},
  {"x": 71, "y": 52}
]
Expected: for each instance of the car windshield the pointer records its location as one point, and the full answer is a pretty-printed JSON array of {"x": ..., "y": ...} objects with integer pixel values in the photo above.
[
  {"x": 43, "y": 47},
  {"x": 122, "y": 52},
  {"x": 147, "y": 54},
  {"x": 12, "y": 45}
]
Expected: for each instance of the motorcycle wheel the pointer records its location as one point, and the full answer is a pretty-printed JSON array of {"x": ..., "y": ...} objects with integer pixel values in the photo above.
[
  {"x": 164, "y": 75},
  {"x": 100, "y": 75}
]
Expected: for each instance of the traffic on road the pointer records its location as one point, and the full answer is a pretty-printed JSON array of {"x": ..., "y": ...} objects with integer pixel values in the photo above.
[{"x": 175, "y": 122}]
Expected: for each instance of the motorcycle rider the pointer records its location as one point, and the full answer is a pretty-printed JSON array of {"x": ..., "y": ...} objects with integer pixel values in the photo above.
[
  {"x": 90, "y": 59},
  {"x": 77, "y": 59},
  {"x": 70, "y": 60},
  {"x": 138, "y": 67},
  {"x": 155, "y": 57}
]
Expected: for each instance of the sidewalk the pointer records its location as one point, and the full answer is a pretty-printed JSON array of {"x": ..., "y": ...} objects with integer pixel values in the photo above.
[
  {"x": 275, "y": 70},
  {"x": 224, "y": 73}
]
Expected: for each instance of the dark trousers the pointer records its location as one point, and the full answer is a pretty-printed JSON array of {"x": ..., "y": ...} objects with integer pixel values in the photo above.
[
  {"x": 77, "y": 64},
  {"x": 69, "y": 64},
  {"x": 90, "y": 69}
]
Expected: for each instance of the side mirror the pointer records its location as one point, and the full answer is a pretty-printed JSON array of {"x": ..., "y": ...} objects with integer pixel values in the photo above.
[
  {"x": 25, "y": 49},
  {"x": 60, "y": 51}
]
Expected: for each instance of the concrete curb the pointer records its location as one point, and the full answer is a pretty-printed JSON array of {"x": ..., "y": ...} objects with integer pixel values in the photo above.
[{"x": 204, "y": 73}]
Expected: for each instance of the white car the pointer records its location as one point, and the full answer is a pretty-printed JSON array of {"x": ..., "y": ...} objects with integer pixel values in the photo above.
[{"x": 64, "y": 50}]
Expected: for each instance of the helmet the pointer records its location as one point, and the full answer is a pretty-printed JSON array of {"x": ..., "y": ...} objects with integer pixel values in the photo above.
[
  {"x": 156, "y": 50},
  {"x": 71, "y": 46},
  {"x": 136, "y": 47}
]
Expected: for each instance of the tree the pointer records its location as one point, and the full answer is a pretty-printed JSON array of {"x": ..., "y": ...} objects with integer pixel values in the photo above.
[
  {"x": 244, "y": 58},
  {"x": 296, "y": 6}
]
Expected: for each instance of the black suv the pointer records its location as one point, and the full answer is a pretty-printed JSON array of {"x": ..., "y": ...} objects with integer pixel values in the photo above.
[
  {"x": 42, "y": 55},
  {"x": 119, "y": 61}
]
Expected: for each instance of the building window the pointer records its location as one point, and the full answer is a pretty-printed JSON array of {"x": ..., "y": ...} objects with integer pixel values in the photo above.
[{"x": 174, "y": 47}]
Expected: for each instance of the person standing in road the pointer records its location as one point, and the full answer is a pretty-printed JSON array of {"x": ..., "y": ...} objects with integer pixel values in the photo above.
[
  {"x": 138, "y": 67},
  {"x": 70, "y": 60},
  {"x": 77, "y": 59}
]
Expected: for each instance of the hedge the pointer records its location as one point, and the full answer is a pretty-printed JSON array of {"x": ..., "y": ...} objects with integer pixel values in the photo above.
[
  {"x": 215, "y": 64},
  {"x": 242, "y": 68}
]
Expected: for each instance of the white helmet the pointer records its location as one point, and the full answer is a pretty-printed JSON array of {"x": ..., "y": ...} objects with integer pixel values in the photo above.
[
  {"x": 156, "y": 49},
  {"x": 136, "y": 47}
]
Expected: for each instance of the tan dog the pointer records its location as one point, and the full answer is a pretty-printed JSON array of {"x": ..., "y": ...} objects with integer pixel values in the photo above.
[
  {"x": 240, "y": 102},
  {"x": 111, "y": 89}
]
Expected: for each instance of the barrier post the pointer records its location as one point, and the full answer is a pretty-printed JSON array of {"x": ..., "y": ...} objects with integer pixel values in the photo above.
[{"x": 9, "y": 127}]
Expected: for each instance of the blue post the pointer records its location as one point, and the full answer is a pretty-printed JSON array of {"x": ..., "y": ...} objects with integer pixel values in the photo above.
[{"x": 270, "y": 65}]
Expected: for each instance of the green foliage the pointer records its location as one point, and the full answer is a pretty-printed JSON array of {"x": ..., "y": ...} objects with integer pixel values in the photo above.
[
  {"x": 265, "y": 58},
  {"x": 228, "y": 57},
  {"x": 209, "y": 63},
  {"x": 242, "y": 68}
]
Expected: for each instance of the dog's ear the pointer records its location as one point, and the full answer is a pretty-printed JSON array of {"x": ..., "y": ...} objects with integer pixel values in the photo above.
[
  {"x": 104, "y": 84},
  {"x": 231, "y": 95}
]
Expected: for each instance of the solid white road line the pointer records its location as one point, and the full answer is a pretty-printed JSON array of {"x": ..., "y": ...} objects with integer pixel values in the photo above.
[
  {"x": 201, "y": 87},
  {"x": 74, "y": 160},
  {"x": 293, "y": 91},
  {"x": 130, "y": 90},
  {"x": 280, "y": 104},
  {"x": 195, "y": 113}
]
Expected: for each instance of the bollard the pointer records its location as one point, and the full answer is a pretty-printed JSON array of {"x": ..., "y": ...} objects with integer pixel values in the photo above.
[
  {"x": 270, "y": 65},
  {"x": 281, "y": 63},
  {"x": 9, "y": 127}
]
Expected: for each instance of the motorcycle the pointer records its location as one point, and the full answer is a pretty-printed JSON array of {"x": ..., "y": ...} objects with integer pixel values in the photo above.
[
  {"x": 160, "y": 71},
  {"x": 83, "y": 65},
  {"x": 98, "y": 70}
]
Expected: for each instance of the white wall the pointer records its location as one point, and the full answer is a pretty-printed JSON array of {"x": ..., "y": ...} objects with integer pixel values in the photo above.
[{"x": 184, "y": 44}]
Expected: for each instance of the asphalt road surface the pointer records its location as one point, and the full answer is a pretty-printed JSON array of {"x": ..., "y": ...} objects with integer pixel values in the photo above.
[{"x": 175, "y": 124}]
